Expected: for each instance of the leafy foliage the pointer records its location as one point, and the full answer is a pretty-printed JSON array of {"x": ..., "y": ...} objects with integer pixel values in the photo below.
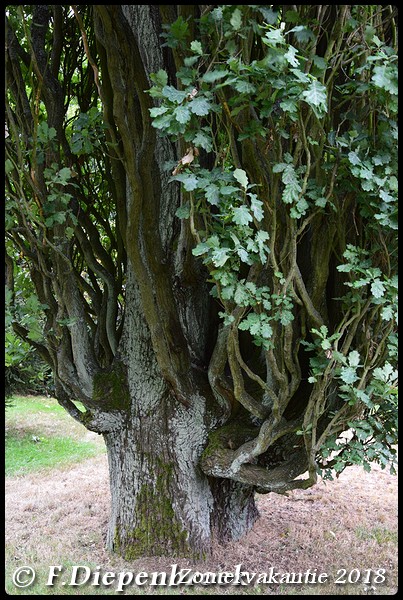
[
  {"x": 61, "y": 217},
  {"x": 304, "y": 144},
  {"x": 25, "y": 371},
  {"x": 286, "y": 127}
]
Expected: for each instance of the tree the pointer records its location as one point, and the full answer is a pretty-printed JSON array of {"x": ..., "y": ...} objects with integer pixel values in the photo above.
[{"x": 205, "y": 199}]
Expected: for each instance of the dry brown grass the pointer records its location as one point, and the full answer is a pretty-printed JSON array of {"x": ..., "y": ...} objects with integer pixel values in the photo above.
[{"x": 60, "y": 518}]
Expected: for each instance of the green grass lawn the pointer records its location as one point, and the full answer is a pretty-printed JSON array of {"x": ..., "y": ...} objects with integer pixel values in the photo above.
[
  {"x": 41, "y": 435},
  {"x": 29, "y": 452},
  {"x": 27, "y": 405}
]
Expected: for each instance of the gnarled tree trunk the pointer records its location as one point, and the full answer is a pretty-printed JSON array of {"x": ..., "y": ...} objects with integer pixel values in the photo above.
[
  {"x": 199, "y": 408},
  {"x": 162, "y": 502}
]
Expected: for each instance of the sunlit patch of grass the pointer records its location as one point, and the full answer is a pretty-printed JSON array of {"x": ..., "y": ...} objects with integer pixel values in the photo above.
[
  {"x": 26, "y": 405},
  {"x": 27, "y": 452},
  {"x": 33, "y": 417}
]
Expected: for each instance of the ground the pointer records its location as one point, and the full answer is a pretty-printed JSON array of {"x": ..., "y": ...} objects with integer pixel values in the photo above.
[{"x": 346, "y": 528}]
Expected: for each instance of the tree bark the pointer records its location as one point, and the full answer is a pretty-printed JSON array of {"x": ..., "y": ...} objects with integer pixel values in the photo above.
[
  {"x": 162, "y": 502},
  {"x": 195, "y": 416}
]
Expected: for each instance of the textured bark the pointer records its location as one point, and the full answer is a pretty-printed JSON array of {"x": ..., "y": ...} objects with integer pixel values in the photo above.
[
  {"x": 162, "y": 502},
  {"x": 195, "y": 417}
]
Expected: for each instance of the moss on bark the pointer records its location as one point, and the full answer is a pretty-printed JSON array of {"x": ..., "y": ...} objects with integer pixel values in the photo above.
[
  {"x": 158, "y": 531},
  {"x": 111, "y": 391},
  {"x": 232, "y": 435}
]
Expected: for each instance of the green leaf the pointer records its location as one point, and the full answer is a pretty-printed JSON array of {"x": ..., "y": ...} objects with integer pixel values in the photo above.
[
  {"x": 266, "y": 330},
  {"x": 203, "y": 140},
  {"x": 215, "y": 75},
  {"x": 241, "y": 215},
  {"x": 387, "y": 313},
  {"x": 319, "y": 62},
  {"x": 219, "y": 257},
  {"x": 228, "y": 319},
  {"x": 45, "y": 133},
  {"x": 182, "y": 114},
  {"x": 172, "y": 94},
  {"x": 228, "y": 190},
  {"x": 292, "y": 16},
  {"x": 252, "y": 326},
  {"x": 279, "y": 167},
  {"x": 163, "y": 121},
  {"x": 227, "y": 292},
  {"x": 354, "y": 158},
  {"x": 200, "y": 106},
  {"x": 212, "y": 194},
  {"x": 183, "y": 212},
  {"x": 63, "y": 176},
  {"x": 255, "y": 328},
  {"x": 256, "y": 207},
  {"x": 315, "y": 95},
  {"x": 244, "y": 87},
  {"x": 300, "y": 75},
  {"x": 236, "y": 19},
  {"x": 242, "y": 178},
  {"x": 201, "y": 249},
  {"x": 189, "y": 61},
  {"x": 290, "y": 56},
  {"x": 348, "y": 375},
  {"x": 286, "y": 317},
  {"x": 321, "y": 202},
  {"x": 241, "y": 296},
  {"x": 213, "y": 241},
  {"x": 291, "y": 193},
  {"x": 59, "y": 217},
  {"x": 190, "y": 182},
  {"x": 302, "y": 33},
  {"x": 178, "y": 31},
  {"x": 354, "y": 359},
  {"x": 157, "y": 111},
  {"x": 289, "y": 106},
  {"x": 385, "y": 373},
  {"x": 243, "y": 255},
  {"x": 261, "y": 239},
  {"x": 299, "y": 209},
  {"x": 346, "y": 268},
  {"x": 251, "y": 287},
  {"x": 274, "y": 37},
  {"x": 377, "y": 288},
  {"x": 217, "y": 14},
  {"x": 393, "y": 183},
  {"x": 385, "y": 77},
  {"x": 269, "y": 15},
  {"x": 196, "y": 47},
  {"x": 69, "y": 231}
]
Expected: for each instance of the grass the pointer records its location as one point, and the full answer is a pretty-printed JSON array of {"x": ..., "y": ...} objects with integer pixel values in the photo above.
[
  {"x": 29, "y": 452},
  {"x": 29, "y": 405},
  {"x": 57, "y": 513},
  {"x": 31, "y": 446}
]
